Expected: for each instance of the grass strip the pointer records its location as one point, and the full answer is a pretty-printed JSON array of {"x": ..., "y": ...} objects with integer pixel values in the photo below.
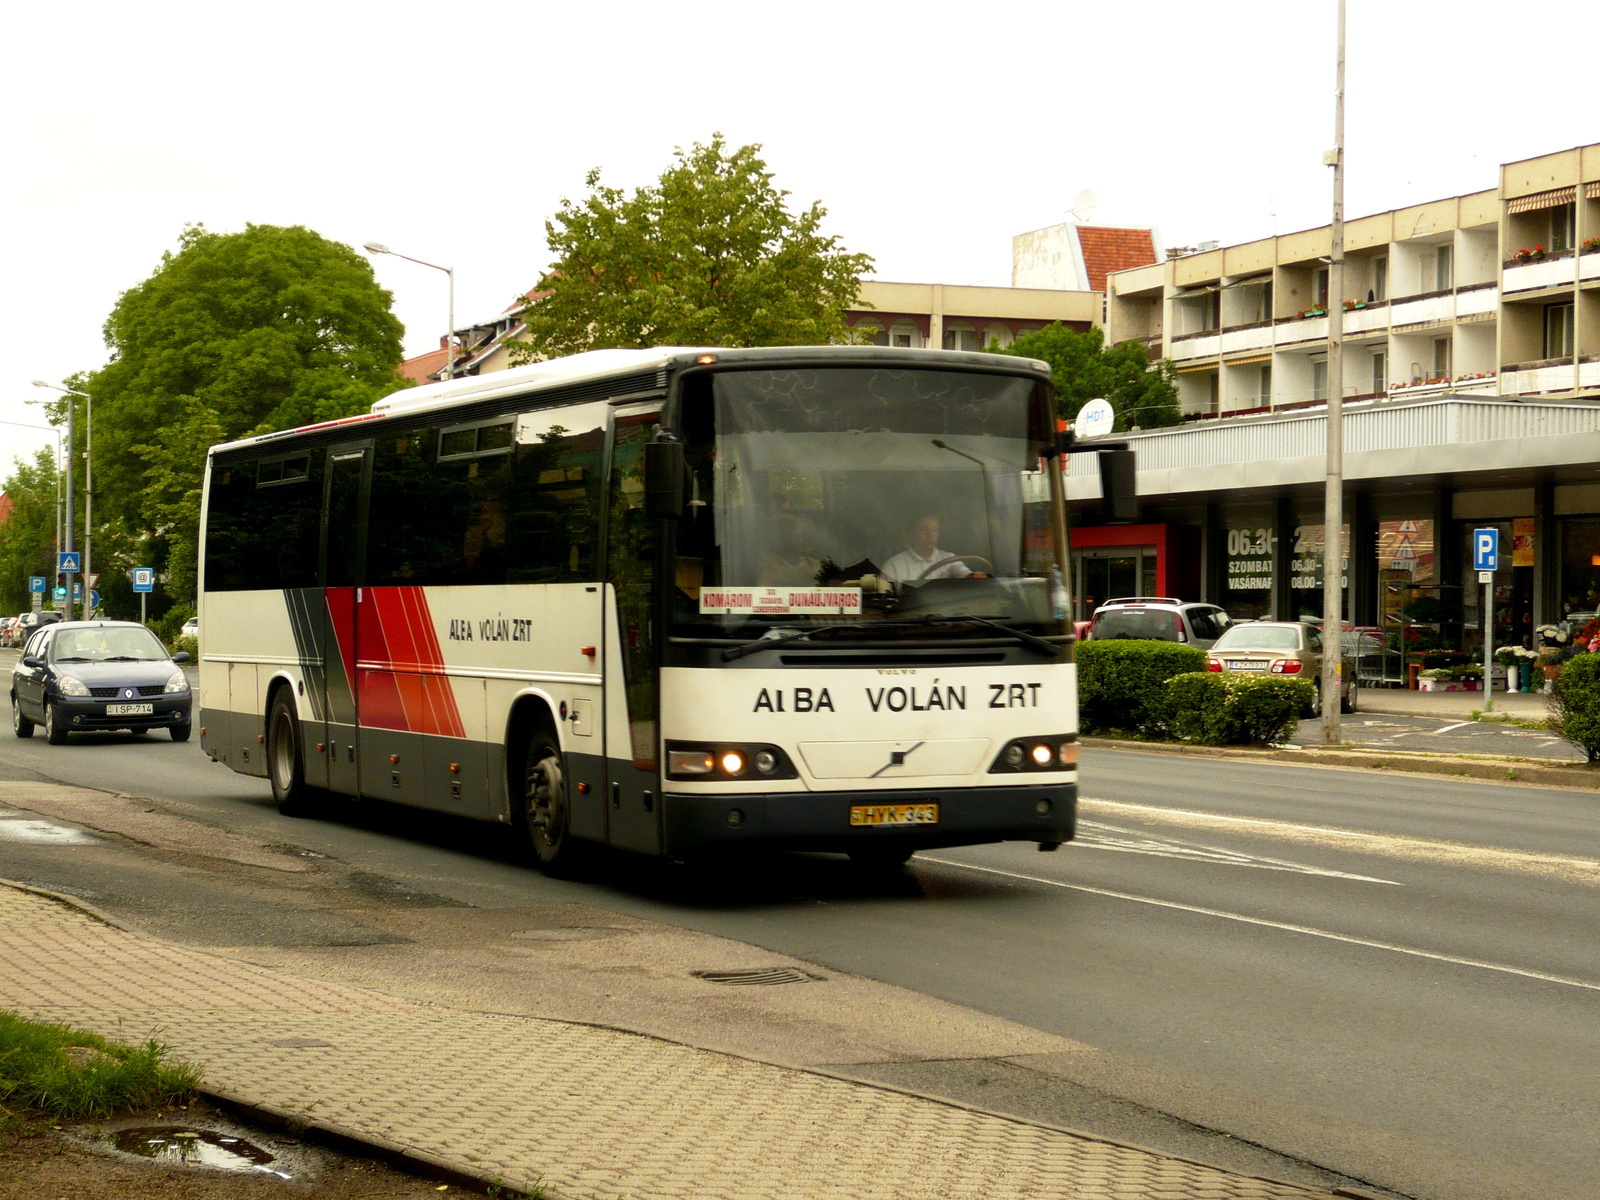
[{"x": 54, "y": 1071}]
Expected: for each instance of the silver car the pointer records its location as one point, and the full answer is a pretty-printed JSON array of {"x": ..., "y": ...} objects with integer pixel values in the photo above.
[{"x": 1291, "y": 648}]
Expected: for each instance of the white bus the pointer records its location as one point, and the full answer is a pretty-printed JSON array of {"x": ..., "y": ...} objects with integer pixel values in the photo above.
[{"x": 671, "y": 601}]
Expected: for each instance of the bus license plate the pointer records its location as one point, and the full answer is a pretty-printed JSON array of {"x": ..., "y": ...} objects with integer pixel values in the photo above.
[
  {"x": 894, "y": 814},
  {"x": 129, "y": 710}
]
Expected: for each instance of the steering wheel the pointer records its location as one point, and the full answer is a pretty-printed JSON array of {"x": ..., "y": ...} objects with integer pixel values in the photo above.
[{"x": 945, "y": 562}]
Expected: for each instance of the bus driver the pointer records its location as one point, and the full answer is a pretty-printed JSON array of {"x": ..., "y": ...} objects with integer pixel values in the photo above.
[{"x": 922, "y": 551}]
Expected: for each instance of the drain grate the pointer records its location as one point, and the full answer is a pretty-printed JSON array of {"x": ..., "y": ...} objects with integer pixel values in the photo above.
[{"x": 760, "y": 976}]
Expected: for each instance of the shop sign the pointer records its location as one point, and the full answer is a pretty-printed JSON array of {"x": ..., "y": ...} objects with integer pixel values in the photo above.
[
  {"x": 1250, "y": 559},
  {"x": 1522, "y": 542},
  {"x": 1305, "y": 568}
]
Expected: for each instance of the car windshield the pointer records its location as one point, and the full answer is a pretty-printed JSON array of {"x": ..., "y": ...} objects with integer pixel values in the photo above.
[
  {"x": 821, "y": 495},
  {"x": 1156, "y": 624},
  {"x": 107, "y": 644},
  {"x": 1259, "y": 637}
]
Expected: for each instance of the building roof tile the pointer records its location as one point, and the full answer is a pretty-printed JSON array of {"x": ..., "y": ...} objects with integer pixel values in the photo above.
[{"x": 1106, "y": 249}]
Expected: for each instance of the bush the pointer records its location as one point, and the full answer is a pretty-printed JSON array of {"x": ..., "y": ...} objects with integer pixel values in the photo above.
[
  {"x": 1575, "y": 704},
  {"x": 167, "y": 625},
  {"x": 192, "y": 645},
  {"x": 1216, "y": 709},
  {"x": 1120, "y": 683}
]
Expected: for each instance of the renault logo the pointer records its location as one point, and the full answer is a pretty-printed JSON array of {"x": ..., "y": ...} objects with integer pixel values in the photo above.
[{"x": 127, "y": 693}]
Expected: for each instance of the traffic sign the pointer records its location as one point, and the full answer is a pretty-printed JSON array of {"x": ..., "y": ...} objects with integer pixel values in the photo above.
[
  {"x": 94, "y": 579},
  {"x": 77, "y": 589},
  {"x": 144, "y": 579},
  {"x": 61, "y": 593},
  {"x": 67, "y": 562},
  {"x": 1485, "y": 576},
  {"x": 94, "y": 598},
  {"x": 36, "y": 583},
  {"x": 1485, "y": 549}
]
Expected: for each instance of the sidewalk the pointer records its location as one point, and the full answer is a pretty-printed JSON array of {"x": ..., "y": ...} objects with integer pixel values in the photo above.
[
  {"x": 512, "y": 1100},
  {"x": 1527, "y": 706}
]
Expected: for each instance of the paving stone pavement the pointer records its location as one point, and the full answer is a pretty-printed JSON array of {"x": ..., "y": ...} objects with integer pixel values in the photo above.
[{"x": 588, "y": 1111}]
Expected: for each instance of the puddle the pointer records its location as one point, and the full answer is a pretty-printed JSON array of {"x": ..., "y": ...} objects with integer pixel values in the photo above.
[{"x": 192, "y": 1147}]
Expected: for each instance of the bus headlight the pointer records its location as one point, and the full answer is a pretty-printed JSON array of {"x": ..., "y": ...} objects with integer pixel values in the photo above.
[
  {"x": 728, "y": 760},
  {"x": 1051, "y": 752},
  {"x": 689, "y": 762}
]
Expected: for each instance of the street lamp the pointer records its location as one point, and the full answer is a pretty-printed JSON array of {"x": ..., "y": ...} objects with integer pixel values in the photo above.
[
  {"x": 57, "y": 432},
  {"x": 1333, "y": 488},
  {"x": 450, "y": 336},
  {"x": 88, "y": 485}
]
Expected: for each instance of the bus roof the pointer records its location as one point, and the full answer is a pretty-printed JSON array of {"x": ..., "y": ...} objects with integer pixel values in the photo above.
[{"x": 600, "y": 364}]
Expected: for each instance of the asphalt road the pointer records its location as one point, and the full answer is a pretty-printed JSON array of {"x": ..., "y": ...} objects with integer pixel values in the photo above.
[
  {"x": 1391, "y": 978},
  {"x": 1450, "y": 735}
]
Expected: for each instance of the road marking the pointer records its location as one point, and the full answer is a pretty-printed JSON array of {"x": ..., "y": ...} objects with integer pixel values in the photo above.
[
  {"x": 1457, "y": 725},
  {"x": 43, "y": 833},
  {"x": 1567, "y": 868},
  {"x": 1306, "y": 930},
  {"x": 1131, "y": 841}
]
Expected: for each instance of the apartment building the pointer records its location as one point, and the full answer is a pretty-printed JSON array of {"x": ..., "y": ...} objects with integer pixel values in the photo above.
[
  {"x": 1472, "y": 399},
  {"x": 1494, "y": 293}
]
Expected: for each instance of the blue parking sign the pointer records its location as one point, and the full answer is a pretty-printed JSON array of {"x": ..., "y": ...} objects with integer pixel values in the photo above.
[
  {"x": 67, "y": 562},
  {"x": 36, "y": 583},
  {"x": 61, "y": 593},
  {"x": 144, "y": 579},
  {"x": 1485, "y": 549}
]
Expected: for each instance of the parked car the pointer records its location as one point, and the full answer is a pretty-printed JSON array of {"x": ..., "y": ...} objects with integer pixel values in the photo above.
[
  {"x": 29, "y": 621},
  {"x": 1282, "y": 648},
  {"x": 77, "y": 676},
  {"x": 7, "y": 624},
  {"x": 1159, "y": 618},
  {"x": 191, "y": 628}
]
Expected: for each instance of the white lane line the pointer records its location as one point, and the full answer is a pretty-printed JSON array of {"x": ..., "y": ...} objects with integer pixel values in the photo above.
[
  {"x": 1093, "y": 835},
  {"x": 1457, "y": 725},
  {"x": 1306, "y": 930}
]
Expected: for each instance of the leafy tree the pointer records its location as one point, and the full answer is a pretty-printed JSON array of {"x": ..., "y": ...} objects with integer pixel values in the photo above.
[
  {"x": 234, "y": 334},
  {"x": 709, "y": 255},
  {"x": 1141, "y": 392},
  {"x": 28, "y": 534}
]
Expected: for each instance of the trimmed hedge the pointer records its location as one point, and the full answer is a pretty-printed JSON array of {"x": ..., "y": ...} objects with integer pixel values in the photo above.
[
  {"x": 1120, "y": 682},
  {"x": 1575, "y": 704},
  {"x": 1217, "y": 709}
]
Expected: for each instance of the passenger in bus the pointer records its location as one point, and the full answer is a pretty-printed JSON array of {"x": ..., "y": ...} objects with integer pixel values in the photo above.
[
  {"x": 922, "y": 551},
  {"x": 789, "y": 561}
]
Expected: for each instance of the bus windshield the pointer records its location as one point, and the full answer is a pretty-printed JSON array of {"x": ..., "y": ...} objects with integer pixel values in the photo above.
[{"x": 849, "y": 493}]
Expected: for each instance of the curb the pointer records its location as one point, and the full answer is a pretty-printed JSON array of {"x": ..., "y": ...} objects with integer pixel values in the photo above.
[{"x": 1518, "y": 772}]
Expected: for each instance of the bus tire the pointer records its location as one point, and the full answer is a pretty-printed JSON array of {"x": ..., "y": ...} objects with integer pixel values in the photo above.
[
  {"x": 544, "y": 811},
  {"x": 286, "y": 767},
  {"x": 881, "y": 859}
]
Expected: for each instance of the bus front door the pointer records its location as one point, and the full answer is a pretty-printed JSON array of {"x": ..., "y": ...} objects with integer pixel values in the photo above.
[{"x": 343, "y": 561}]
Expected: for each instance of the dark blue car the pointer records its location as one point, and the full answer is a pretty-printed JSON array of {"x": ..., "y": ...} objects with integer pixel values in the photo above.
[{"x": 78, "y": 676}]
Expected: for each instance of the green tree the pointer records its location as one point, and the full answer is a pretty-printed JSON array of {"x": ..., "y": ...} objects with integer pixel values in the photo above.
[
  {"x": 709, "y": 255},
  {"x": 234, "y": 334},
  {"x": 1141, "y": 392},
  {"x": 28, "y": 534}
]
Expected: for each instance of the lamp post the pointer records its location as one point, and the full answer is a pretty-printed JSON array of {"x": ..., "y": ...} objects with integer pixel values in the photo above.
[
  {"x": 57, "y": 432},
  {"x": 88, "y": 484},
  {"x": 450, "y": 335},
  {"x": 1333, "y": 495}
]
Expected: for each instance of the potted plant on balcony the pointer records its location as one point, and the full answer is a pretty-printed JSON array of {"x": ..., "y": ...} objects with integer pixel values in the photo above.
[{"x": 1590, "y": 245}]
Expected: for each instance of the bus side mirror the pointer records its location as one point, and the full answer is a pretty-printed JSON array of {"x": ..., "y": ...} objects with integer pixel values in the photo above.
[
  {"x": 663, "y": 480},
  {"x": 1118, "y": 487}
]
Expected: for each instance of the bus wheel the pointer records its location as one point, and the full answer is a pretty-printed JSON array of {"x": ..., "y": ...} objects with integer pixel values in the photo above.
[
  {"x": 546, "y": 814},
  {"x": 881, "y": 859},
  {"x": 285, "y": 763}
]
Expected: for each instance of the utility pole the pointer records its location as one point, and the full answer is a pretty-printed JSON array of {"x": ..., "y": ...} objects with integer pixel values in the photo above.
[{"x": 1333, "y": 498}]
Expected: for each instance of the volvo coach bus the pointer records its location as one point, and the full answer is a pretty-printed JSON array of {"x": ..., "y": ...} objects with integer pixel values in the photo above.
[{"x": 671, "y": 601}]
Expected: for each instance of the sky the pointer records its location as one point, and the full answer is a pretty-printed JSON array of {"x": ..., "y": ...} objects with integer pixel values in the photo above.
[{"x": 932, "y": 132}]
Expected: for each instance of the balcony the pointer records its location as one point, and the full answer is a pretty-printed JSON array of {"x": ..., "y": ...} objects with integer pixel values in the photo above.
[
  {"x": 1553, "y": 270},
  {"x": 1302, "y": 329},
  {"x": 1247, "y": 337},
  {"x": 1589, "y": 263},
  {"x": 1418, "y": 310},
  {"x": 1367, "y": 318},
  {"x": 1196, "y": 345},
  {"x": 1475, "y": 299},
  {"x": 1527, "y": 379}
]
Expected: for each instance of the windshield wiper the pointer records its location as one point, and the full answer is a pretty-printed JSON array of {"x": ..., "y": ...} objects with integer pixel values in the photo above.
[
  {"x": 1031, "y": 640},
  {"x": 74, "y": 658},
  {"x": 126, "y": 658},
  {"x": 767, "y": 643}
]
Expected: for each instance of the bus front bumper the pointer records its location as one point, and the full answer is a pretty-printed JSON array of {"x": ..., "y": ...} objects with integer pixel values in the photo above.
[{"x": 822, "y": 820}]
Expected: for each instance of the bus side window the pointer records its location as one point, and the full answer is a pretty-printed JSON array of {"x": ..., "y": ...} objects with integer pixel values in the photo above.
[
  {"x": 630, "y": 568},
  {"x": 285, "y": 525},
  {"x": 413, "y": 530},
  {"x": 228, "y": 520},
  {"x": 555, "y": 508}
]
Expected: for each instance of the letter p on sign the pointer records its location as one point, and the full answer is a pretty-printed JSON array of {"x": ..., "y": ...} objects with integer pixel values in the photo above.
[{"x": 1486, "y": 549}]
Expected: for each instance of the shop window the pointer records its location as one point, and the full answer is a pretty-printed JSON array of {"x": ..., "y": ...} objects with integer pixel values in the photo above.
[
  {"x": 1558, "y": 331},
  {"x": 1305, "y": 571},
  {"x": 1405, "y": 574},
  {"x": 1580, "y": 569},
  {"x": 1512, "y": 590},
  {"x": 1247, "y": 582}
]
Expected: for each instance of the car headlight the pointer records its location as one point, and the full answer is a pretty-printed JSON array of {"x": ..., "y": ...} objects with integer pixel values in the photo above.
[
  {"x": 177, "y": 683},
  {"x": 70, "y": 686}
]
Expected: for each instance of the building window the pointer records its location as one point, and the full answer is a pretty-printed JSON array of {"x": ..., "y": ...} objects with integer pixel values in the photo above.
[
  {"x": 1441, "y": 358},
  {"x": 906, "y": 335},
  {"x": 1563, "y": 226},
  {"x": 872, "y": 333},
  {"x": 997, "y": 335},
  {"x": 1380, "y": 374},
  {"x": 1319, "y": 288},
  {"x": 962, "y": 337},
  {"x": 1444, "y": 268},
  {"x": 1214, "y": 402},
  {"x": 1380, "y": 278},
  {"x": 1558, "y": 331},
  {"x": 1266, "y": 385},
  {"x": 1319, "y": 380}
]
